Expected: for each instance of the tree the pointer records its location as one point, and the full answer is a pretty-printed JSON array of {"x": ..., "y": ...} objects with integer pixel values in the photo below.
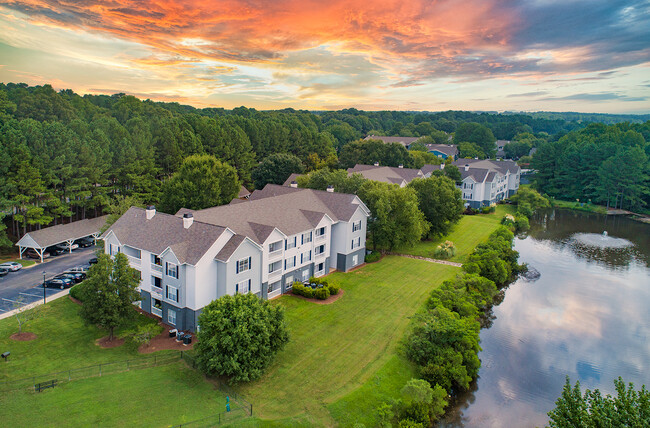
[
  {"x": 471, "y": 132},
  {"x": 338, "y": 178},
  {"x": 422, "y": 403},
  {"x": 453, "y": 173},
  {"x": 24, "y": 314},
  {"x": 630, "y": 408},
  {"x": 119, "y": 205},
  {"x": 240, "y": 336},
  {"x": 395, "y": 218},
  {"x": 109, "y": 292},
  {"x": 470, "y": 150},
  {"x": 440, "y": 202},
  {"x": 201, "y": 182},
  {"x": 275, "y": 169},
  {"x": 517, "y": 149}
]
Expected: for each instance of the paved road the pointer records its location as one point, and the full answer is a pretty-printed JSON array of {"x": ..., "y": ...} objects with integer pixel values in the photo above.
[{"x": 25, "y": 285}]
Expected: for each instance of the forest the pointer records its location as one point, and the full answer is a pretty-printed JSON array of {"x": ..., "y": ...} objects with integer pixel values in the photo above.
[{"x": 64, "y": 156}]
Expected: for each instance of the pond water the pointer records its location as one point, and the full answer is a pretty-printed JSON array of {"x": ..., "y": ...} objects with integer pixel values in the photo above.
[{"x": 587, "y": 316}]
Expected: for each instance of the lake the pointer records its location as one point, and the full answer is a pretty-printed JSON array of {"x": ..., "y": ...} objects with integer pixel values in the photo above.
[{"x": 587, "y": 316}]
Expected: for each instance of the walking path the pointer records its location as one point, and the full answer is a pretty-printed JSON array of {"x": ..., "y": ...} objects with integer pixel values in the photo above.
[{"x": 426, "y": 259}]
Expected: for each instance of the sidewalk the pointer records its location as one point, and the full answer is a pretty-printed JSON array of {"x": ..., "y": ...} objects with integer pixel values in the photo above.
[{"x": 34, "y": 304}]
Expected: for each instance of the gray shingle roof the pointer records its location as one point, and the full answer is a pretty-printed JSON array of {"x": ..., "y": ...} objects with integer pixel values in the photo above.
[
  {"x": 503, "y": 166},
  {"x": 243, "y": 192},
  {"x": 292, "y": 177},
  {"x": 405, "y": 141},
  {"x": 290, "y": 210},
  {"x": 53, "y": 235},
  {"x": 165, "y": 230},
  {"x": 386, "y": 174},
  {"x": 448, "y": 149},
  {"x": 233, "y": 243}
]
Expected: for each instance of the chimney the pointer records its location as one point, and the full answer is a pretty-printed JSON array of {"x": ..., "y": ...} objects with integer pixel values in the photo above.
[
  {"x": 188, "y": 219},
  {"x": 466, "y": 167},
  {"x": 150, "y": 212},
  {"x": 330, "y": 188},
  {"x": 294, "y": 184},
  {"x": 376, "y": 163},
  {"x": 400, "y": 166},
  {"x": 442, "y": 165}
]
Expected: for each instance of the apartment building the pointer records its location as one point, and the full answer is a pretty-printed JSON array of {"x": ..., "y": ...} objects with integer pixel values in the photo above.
[{"x": 260, "y": 246}]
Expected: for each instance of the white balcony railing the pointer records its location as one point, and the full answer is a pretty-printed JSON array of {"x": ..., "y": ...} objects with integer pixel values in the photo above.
[
  {"x": 155, "y": 267},
  {"x": 320, "y": 237},
  {"x": 133, "y": 260},
  {"x": 156, "y": 290},
  {"x": 275, "y": 254},
  {"x": 156, "y": 311}
]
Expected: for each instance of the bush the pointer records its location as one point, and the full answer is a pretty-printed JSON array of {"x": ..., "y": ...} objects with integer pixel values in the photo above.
[
  {"x": 485, "y": 210},
  {"x": 77, "y": 291},
  {"x": 300, "y": 289},
  {"x": 321, "y": 293},
  {"x": 334, "y": 289},
  {"x": 521, "y": 223},
  {"x": 493, "y": 208},
  {"x": 445, "y": 250},
  {"x": 373, "y": 257},
  {"x": 524, "y": 208}
]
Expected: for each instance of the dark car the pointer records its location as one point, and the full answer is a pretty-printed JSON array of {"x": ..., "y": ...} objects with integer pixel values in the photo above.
[
  {"x": 3, "y": 271},
  {"x": 31, "y": 253},
  {"x": 76, "y": 277},
  {"x": 85, "y": 242},
  {"x": 59, "y": 283},
  {"x": 54, "y": 251},
  {"x": 92, "y": 261}
]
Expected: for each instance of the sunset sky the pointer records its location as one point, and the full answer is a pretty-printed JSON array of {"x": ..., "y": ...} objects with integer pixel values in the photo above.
[{"x": 556, "y": 55}]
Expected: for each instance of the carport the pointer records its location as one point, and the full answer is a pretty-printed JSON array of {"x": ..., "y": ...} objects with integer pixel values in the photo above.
[{"x": 39, "y": 240}]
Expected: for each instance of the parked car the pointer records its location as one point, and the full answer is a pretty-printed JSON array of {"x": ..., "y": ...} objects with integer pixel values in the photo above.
[
  {"x": 76, "y": 269},
  {"x": 11, "y": 266},
  {"x": 32, "y": 253},
  {"x": 3, "y": 271},
  {"x": 92, "y": 261},
  {"x": 85, "y": 242},
  {"x": 59, "y": 283},
  {"x": 66, "y": 247},
  {"x": 77, "y": 277},
  {"x": 54, "y": 251}
]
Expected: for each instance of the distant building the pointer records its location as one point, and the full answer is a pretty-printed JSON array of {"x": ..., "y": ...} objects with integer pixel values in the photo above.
[
  {"x": 500, "y": 145},
  {"x": 405, "y": 141},
  {"x": 443, "y": 151},
  {"x": 388, "y": 174}
]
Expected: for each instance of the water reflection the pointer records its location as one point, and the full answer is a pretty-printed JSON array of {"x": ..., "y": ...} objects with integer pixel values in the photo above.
[{"x": 587, "y": 317}]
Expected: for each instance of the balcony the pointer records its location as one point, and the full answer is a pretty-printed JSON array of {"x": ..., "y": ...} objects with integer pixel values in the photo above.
[
  {"x": 134, "y": 261},
  {"x": 320, "y": 238},
  {"x": 157, "y": 268},
  {"x": 275, "y": 254},
  {"x": 156, "y": 292},
  {"x": 275, "y": 273},
  {"x": 319, "y": 255},
  {"x": 156, "y": 311}
]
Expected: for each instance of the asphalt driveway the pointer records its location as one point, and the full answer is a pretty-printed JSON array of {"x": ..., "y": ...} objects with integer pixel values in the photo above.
[{"x": 25, "y": 286}]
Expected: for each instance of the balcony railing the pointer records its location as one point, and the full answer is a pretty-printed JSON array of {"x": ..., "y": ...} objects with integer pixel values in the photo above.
[
  {"x": 275, "y": 273},
  {"x": 320, "y": 237},
  {"x": 157, "y": 290},
  {"x": 155, "y": 267},
  {"x": 275, "y": 254},
  {"x": 134, "y": 260},
  {"x": 320, "y": 255},
  {"x": 156, "y": 311}
]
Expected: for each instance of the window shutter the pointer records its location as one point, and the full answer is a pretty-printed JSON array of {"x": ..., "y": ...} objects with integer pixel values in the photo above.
[
  {"x": 302, "y": 239},
  {"x": 237, "y": 268},
  {"x": 285, "y": 264},
  {"x": 249, "y": 262},
  {"x": 285, "y": 244}
]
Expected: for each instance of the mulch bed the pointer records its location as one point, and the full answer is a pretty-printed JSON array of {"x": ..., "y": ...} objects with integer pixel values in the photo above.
[
  {"x": 106, "y": 344},
  {"x": 25, "y": 336},
  {"x": 163, "y": 341},
  {"x": 329, "y": 300}
]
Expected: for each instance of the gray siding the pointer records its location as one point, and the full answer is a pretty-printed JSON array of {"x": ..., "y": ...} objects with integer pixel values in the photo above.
[
  {"x": 344, "y": 261},
  {"x": 145, "y": 302}
]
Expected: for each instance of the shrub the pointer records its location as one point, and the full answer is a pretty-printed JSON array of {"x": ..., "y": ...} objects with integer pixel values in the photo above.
[
  {"x": 322, "y": 293},
  {"x": 334, "y": 289},
  {"x": 77, "y": 291},
  {"x": 445, "y": 250},
  {"x": 493, "y": 208},
  {"x": 521, "y": 223},
  {"x": 485, "y": 210},
  {"x": 300, "y": 289},
  {"x": 373, "y": 257},
  {"x": 524, "y": 208}
]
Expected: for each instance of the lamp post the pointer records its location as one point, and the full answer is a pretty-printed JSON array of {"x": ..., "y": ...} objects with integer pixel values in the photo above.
[{"x": 43, "y": 287}]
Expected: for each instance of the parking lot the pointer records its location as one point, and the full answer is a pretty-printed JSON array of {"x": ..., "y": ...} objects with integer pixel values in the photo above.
[{"x": 25, "y": 286}]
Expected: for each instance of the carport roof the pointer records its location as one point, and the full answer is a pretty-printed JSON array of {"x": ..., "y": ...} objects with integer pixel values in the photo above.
[{"x": 61, "y": 233}]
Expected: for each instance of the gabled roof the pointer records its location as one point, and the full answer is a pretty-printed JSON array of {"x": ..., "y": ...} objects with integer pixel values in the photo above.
[
  {"x": 503, "y": 166},
  {"x": 233, "y": 243},
  {"x": 448, "y": 149},
  {"x": 405, "y": 141},
  {"x": 243, "y": 192},
  {"x": 58, "y": 234},
  {"x": 287, "y": 209},
  {"x": 387, "y": 174},
  {"x": 164, "y": 231},
  {"x": 292, "y": 177}
]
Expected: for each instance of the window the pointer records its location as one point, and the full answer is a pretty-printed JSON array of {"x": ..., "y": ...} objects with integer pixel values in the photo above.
[
  {"x": 356, "y": 226},
  {"x": 156, "y": 282},
  {"x": 320, "y": 267},
  {"x": 275, "y": 266},
  {"x": 171, "y": 316},
  {"x": 319, "y": 250},
  {"x": 114, "y": 249},
  {"x": 274, "y": 286},
  {"x": 320, "y": 232},
  {"x": 290, "y": 243},
  {"x": 288, "y": 282},
  {"x": 305, "y": 257},
  {"x": 355, "y": 260},
  {"x": 243, "y": 287},
  {"x": 156, "y": 260},
  {"x": 356, "y": 243},
  {"x": 243, "y": 265},
  {"x": 172, "y": 270},
  {"x": 171, "y": 293},
  {"x": 275, "y": 246},
  {"x": 290, "y": 262},
  {"x": 305, "y": 275},
  {"x": 306, "y": 238}
]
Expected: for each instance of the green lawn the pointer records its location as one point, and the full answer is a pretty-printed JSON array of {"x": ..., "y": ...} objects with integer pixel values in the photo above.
[
  {"x": 159, "y": 396},
  {"x": 337, "y": 348},
  {"x": 23, "y": 262},
  {"x": 64, "y": 342},
  {"x": 470, "y": 231}
]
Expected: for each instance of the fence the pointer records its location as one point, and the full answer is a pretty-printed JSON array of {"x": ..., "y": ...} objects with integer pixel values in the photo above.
[
  {"x": 237, "y": 414},
  {"x": 91, "y": 371}
]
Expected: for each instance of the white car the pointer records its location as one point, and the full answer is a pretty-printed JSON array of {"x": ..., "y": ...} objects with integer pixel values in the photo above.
[
  {"x": 77, "y": 269},
  {"x": 67, "y": 247},
  {"x": 11, "y": 266}
]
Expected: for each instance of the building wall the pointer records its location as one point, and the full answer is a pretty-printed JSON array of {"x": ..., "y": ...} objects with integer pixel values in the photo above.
[
  {"x": 345, "y": 262},
  {"x": 229, "y": 270},
  {"x": 342, "y": 236}
]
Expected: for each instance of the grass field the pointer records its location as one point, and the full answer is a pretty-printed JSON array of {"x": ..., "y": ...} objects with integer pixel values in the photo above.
[
  {"x": 335, "y": 349},
  {"x": 470, "y": 231},
  {"x": 23, "y": 262}
]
